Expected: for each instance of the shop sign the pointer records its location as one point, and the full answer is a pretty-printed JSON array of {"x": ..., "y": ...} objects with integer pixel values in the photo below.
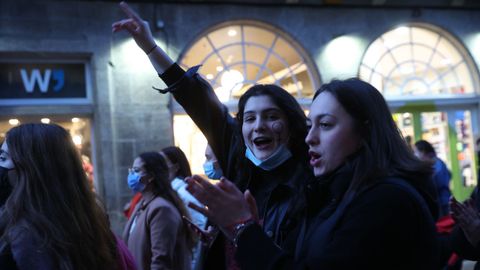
[{"x": 43, "y": 83}]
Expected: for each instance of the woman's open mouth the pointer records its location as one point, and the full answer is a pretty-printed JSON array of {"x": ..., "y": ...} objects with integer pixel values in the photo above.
[
  {"x": 262, "y": 143},
  {"x": 315, "y": 158}
]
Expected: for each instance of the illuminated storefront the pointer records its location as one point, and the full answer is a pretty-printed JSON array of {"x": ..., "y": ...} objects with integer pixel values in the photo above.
[
  {"x": 430, "y": 82},
  {"x": 35, "y": 90},
  {"x": 424, "y": 60}
]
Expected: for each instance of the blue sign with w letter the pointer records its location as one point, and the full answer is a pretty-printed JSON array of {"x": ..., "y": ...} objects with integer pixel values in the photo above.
[{"x": 42, "y": 80}]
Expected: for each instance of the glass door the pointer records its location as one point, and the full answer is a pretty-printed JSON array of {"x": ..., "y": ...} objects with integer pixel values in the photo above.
[{"x": 450, "y": 131}]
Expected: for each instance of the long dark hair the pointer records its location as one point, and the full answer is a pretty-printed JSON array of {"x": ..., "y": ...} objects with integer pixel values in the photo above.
[
  {"x": 156, "y": 167},
  {"x": 52, "y": 197},
  {"x": 296, "y": 118},
  {"x": 177, "y": 157},
  {"x": 384, "y": 152}
]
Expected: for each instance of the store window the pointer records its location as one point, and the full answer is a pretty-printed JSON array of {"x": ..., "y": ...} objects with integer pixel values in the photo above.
[
  {"x": 422, "y": 62},
  {"x": 78, "y": 127},
  {"x": 235, "y": 56},
  {"x": 418, "y": 61}
]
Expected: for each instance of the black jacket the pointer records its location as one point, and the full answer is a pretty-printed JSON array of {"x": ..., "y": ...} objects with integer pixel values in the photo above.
[
  {"x": 273, "y": 190},
  {"x": 387, "y": 226}
]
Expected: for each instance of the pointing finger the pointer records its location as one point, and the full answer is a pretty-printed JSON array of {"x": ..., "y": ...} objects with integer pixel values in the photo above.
[{"x": 129, "y": 11}]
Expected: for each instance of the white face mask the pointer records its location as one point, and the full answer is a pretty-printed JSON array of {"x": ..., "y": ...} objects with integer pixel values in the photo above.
[{"x": 281, "y": 155}]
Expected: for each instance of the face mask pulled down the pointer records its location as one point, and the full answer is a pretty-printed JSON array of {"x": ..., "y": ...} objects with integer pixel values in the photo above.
[{"x": 281, "y": 155}]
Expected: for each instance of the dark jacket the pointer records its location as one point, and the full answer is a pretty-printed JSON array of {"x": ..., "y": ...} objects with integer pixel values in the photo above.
[
  {"x": 386, "y": 226},
  {"x": 273, "y": 190},
  {"x": 23, "y": 250}
]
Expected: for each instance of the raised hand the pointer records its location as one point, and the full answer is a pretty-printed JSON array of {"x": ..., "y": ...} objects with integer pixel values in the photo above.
[
  {"x": 468, "y": 218},
  {"x": 225, "y": 204},
  {"x": 137, "y": 27}
]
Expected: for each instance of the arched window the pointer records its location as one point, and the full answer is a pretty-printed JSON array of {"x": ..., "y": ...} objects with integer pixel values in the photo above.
[
  {"x": 418, "y": 61},
  {"x": 237, "y": 55},
  {"x": 234, "y": 56},
  {"x": 423, "y": 62}
]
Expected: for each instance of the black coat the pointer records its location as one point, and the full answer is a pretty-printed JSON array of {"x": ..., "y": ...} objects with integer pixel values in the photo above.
[
  {"x": 275, "y": 191},
  {"x": 24, "y": 250},
  {"x": 386, "y": 226}
]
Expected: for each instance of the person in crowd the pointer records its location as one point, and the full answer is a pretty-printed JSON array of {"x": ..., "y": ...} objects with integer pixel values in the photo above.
[
  {"x": 211, "y": 167},
  {"x": 51, "y": 218},
  {"x": 155, "y": 233},
  {"x": 465, "y": 238},
  {"x": 179, "y": 169},
  {"x": 441, "y": 175},
  {"x": 262, "y": 149},
  {"x": 372, "y": 205}
]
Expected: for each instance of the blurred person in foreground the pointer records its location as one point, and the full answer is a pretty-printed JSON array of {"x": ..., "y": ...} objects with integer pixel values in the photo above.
[{"x": 52, "y": 219}]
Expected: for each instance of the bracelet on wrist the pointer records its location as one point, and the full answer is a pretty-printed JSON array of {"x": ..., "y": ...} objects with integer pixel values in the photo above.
[
  {"x": 239, "y": 228},
  {"x": 151, "y": 50}
]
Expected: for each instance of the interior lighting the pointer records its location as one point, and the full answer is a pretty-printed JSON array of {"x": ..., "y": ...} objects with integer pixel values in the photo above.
[
  {"x": 232, "y": 33},
  {"x": 232, "y": 80},
  {"x": 77, "y": 139},
  {"x": 209, "y": 76},
  {"x": 219, "y": 68},
  {"x": 45, "y": 120},
  {"x": 13, "y": 122},
  {"x": 402, "y": 30},
  {"x": 75, "y": 120},
  {"x": 446, "y": 61}
]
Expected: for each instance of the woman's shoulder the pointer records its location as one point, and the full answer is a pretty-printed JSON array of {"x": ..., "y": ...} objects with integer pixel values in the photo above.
[
  {"x": 26, "y": 247},
  {"x": 160, "y": 202},
  {"x": 393, "y": 192},
  {"x": 161, "y": 206}
]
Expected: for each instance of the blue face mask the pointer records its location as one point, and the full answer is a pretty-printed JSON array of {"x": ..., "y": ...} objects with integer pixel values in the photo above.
[
  {"x": 273, "y": 161},
  {"x": 210, "y": 170},
  {"x": 134, "y": 183}
]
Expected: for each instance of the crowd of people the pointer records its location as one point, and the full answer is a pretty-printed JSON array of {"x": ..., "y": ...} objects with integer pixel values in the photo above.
[{"x": 339, "y": 189}]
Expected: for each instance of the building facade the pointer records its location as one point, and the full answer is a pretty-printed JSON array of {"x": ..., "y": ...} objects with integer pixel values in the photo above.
[{"x": 60, "y": 63}]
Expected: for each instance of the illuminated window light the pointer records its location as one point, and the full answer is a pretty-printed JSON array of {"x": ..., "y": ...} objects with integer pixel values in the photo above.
[
  {"x": 77, "y": 139},
  {"x": 75, "y": 120},
  {"x": 45, "y": 120},
  {"x": 232, "y": 80},
  {"x": 13, "y": 122},
  {"x": 446, "y": 61},
  {"x": 402, "y": 30},
  {"x": 232, "y": 33}
]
